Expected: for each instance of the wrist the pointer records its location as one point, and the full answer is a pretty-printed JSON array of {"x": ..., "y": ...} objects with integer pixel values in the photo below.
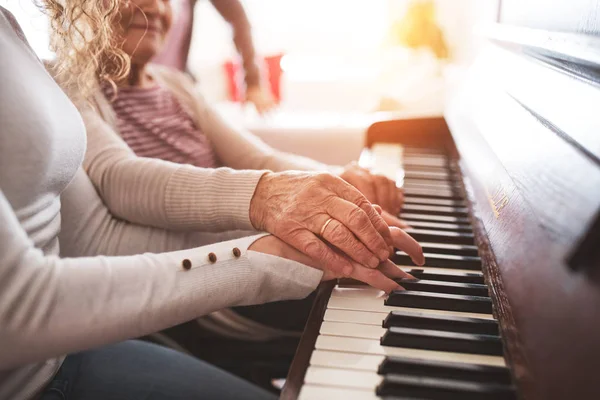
[{"x": 258, "y": 211}]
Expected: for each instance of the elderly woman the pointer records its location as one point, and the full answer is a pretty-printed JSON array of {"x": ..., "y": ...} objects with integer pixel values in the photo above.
[
  {"x": 157, "y": 113},
  {"x": 56, "y": 311}
]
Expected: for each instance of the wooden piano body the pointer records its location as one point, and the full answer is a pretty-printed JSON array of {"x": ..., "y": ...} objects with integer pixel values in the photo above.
[{"x": 525, "y": 130}]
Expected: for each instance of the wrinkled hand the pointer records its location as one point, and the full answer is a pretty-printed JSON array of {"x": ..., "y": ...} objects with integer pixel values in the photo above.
[
  {"x": 378, "y": 189},
  {"x": 261, "y": 98},
  {"x": 380, "y": 278},
  {"x": 294, "y": 206}
]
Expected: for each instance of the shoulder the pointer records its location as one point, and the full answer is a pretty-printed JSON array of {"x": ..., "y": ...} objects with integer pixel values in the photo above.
[{"x": 12, "y": 21}]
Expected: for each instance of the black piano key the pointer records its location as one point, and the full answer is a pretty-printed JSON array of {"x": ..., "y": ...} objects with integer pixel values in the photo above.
[
  {"x": 436, "y": 210},
  {"x": 439, "y": 189},
  {"x": 430, "y": 176},
  {"x": 432, "y": 185},
  {"x": 439, "y": 301},
  {"x": 441, "y": 226},
  {"x": 432, "y": 194},
  {"x": 433, "y": 202},
  {"x": 442, "y": 341},
  {"x": 441, "y": 261},
  {"x": 442, "y": 389},
  {"x": 426, "y": 235},
  {"x": 454, "y": 249},
  {"x": 465, "y": 289},
  {"x": 448, "y": 323},
  {"x": 445, "y": 370},
  {"x": 409, "y": 217},
  {"x": 463, "y": 277}
]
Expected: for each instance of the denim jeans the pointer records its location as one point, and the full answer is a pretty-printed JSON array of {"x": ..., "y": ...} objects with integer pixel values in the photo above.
[{"x": 136, "y": 370}]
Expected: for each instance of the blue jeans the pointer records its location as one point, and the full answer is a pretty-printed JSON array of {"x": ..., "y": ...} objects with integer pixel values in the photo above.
[{"x": 136, "y": 370}]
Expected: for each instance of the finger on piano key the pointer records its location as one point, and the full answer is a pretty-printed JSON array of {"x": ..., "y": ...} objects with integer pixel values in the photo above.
[
  {"x": 448, "y": 275},
  {"x": 440, "y": 261},
  {"x": 347, "y": 300},
  {"x": 442, "y": 323},
  {"x": 465, "y": 289},
  {"x": 434, "y": 388},
  {"x": 441, "y": 340},
  {"x": 320, "y": 392},
  {"x": 374, "y": 347}
]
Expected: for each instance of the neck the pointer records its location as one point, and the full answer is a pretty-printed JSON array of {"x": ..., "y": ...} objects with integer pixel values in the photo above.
[{"x": 138, "y": 76}]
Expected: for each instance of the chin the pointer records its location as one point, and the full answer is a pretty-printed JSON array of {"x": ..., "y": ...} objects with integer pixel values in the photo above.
[{"x": 144, "y": 51}]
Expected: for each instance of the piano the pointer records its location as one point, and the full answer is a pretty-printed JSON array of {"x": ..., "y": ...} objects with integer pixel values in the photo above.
[{"x": 503, "y": 193}]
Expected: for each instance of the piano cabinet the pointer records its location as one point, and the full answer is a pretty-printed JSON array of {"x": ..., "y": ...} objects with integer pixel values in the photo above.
[{"x": 523, "y": 137}]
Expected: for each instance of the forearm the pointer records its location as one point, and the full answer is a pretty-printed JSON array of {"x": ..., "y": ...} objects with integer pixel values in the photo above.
[
  {"x": 233, "y": 12},
  {"x": 55, "y": 306},
  {"x": 164, "y": 194},
  {"x": 89, "y": 229}
]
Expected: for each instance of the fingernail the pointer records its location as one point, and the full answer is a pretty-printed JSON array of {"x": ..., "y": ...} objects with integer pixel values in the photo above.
[
  {"x": 396, "y": 288},
  {"x": 419, "y": 261}
]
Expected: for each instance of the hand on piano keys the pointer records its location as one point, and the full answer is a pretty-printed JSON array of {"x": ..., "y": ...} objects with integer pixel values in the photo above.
[
  {"x": 438, "y": 339},
  {"x": 377, "y": 188},
  {"x": 383, "y": 278}
]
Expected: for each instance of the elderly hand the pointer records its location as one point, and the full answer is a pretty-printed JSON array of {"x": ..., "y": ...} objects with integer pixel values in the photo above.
[
  {"x": 261, "y": 98},
  {"x": 380, "y": 278},
  {"x": 308, "y": 209},
  {"x": 378, "y": 189}
]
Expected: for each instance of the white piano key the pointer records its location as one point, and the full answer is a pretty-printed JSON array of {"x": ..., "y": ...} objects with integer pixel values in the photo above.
[
  {"x": 373, "y": 347},
  {"x": 336, "y": 359},
  {"x": 359, "y": 317},
  {"x": 318, "y": 392},
  {"x": 366, "y": 303},
  {"x": 348, "y": 329},
  {"x": 342, "y": 378}
]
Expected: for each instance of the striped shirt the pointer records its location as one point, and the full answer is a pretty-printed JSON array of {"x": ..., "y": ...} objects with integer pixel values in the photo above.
[{"x": 154, "y": 124}]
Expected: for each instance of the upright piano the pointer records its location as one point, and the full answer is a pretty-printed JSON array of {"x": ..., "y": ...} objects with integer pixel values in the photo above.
[{"x": 503, "y": 193}]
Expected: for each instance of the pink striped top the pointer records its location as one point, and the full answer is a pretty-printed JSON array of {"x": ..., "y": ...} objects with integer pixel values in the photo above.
[{"x": 154, "y": 124}]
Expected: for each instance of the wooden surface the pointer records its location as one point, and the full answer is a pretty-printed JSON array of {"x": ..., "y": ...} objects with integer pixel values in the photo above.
[
  {"x": 527, "y": 127},
  {"x": 295, "y": 377},
  {"x": 410, "y": 131},
  {"x": 529, "y": 145}
]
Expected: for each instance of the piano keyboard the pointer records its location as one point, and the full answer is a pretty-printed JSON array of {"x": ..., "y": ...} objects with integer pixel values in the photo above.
[{"x": 437, "y": 339}]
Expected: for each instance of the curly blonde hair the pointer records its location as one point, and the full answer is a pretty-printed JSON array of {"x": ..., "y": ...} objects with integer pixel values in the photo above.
[{"x": 86, "y": 49}]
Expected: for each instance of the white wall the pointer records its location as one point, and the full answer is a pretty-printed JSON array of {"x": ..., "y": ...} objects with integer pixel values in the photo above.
[{"x": 339, "y": 39}]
